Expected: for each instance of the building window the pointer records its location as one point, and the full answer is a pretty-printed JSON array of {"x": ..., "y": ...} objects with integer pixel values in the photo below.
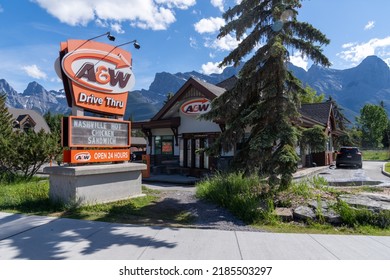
[
  {"x": 27, "y": 127},
  {"x": 163, "y": 145}
]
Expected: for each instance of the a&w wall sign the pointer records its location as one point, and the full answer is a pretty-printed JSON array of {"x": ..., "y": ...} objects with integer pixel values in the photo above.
[
  {"x": 196, "y": 106},
  {"x": 98, "y": 76}
]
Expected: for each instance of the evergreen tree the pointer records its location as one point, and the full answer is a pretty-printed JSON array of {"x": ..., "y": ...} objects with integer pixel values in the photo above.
[
  {"x": 5, "y": 133},
  {"x": 168, "y": 97},
  {"x": 5, "y": 118},
  {"x": 266, "y": 96},
  {"x": 30, "y": 151},
  {"x": 341, "y": 121},
  {"x": 55, "y": 122}
]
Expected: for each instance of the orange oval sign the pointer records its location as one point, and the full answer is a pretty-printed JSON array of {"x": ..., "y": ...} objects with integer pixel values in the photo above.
[
  {"x": 99, "y": 71},
  {"x": 196, "y": 106}
]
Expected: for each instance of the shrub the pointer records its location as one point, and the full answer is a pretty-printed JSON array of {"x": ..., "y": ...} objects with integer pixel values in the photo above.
[
  {"x": 240, "y": 194},
  {"x": 363, "y": 217}
]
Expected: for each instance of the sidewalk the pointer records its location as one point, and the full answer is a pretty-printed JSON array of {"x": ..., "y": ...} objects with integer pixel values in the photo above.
[
  {"x": 187, "y": 180},
  {"x": 45, "y": 238}
]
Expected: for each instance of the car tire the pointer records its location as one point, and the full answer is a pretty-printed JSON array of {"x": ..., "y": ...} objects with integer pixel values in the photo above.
[
  {"x": 337, "y": 165},
  {"x": 360, "y": 165}
]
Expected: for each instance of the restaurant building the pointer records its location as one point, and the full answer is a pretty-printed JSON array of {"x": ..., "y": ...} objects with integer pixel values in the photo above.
[{"x": 176, "y": 136}]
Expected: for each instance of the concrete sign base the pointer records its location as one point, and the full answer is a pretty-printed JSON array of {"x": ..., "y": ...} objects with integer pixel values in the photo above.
[{"x": 93, "y": 184}]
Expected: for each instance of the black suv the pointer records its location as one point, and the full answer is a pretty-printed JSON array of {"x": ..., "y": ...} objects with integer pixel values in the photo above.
[{"x": 349, "y": 156}]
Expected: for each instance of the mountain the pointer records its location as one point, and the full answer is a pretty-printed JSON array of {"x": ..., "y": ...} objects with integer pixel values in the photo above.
[
  {"x": 144, "y": 104},
  {"x": 368, "y": 82},
  {"x": 35, "y": 97}
]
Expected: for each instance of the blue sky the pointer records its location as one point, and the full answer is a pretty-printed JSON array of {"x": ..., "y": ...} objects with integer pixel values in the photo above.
[{"x": 175, "y": 35}]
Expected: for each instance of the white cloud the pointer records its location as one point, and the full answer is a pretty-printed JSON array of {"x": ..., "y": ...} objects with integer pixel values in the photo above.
[
  {"x": 146, "y": 14},
  {"x": 210, "y": 68},
  {"x": 298, "y": 60},
  {"x": 193, "y": 43},
  {"x": 34, "y": 72},
  {"x": 117, "y": 27},
  {"x": 101, "y": 23},
  {"x": 356, "y": 52},
  {"x": 209, "y": 25},
  {"x": 226, "y": 43},
  {"x": 369, "y": 25},
  {"x": 181, "y": 4},
  {"x": 218, "y": 4}
]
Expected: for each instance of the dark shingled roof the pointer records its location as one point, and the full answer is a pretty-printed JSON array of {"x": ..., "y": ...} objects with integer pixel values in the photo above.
[
  {"x": 229, "y": 83},
  {"x": 317, "y": 111},
  {"x": 20, "y": 114},
  {"x": 215, "y": 89}
]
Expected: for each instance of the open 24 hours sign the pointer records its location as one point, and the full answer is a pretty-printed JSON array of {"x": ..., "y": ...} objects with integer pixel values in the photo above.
[{"x": 89, "y": 132}]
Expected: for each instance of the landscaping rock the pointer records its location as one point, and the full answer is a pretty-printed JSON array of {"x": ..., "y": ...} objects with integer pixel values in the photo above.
[
  {"x": 332, "y": 217},
  {"x": 304, "y": 213},
  {"x": 329, "y": 215},
  {"x": 325, "y": 204},
  {"x": 374, "y": 202},
  {"x": 286, "y": 214}
]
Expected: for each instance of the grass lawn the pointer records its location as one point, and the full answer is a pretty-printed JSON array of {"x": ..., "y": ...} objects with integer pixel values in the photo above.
[
  {"x": 33, "y": 198},
  {"x": 376, "y": 155},
  {"x": 387, "y": 167}
]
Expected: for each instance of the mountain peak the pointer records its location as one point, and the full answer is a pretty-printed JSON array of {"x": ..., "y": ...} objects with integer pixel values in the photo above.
[
  {"x": 374, "y": 63},
  {"x": 6, "y": 88},
  {"x": 34, "y": 88},
  {"x": 372, "y": 70}
]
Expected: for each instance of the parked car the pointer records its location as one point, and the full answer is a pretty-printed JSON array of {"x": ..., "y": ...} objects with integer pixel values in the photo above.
[{"x": 349, "y": 156}]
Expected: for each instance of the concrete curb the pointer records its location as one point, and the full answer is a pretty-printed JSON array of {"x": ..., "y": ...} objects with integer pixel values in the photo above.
[
  {"x": 171, "y": 179},
  {"x": 383, "y": 170},
  {"x": 309, "y": 172}
]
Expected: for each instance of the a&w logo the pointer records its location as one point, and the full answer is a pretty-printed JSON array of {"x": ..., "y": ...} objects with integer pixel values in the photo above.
[
  {"x": 99, "y": 71},
  {"x": 196, "y": 106},
  {"x": 82, "y": 157}
]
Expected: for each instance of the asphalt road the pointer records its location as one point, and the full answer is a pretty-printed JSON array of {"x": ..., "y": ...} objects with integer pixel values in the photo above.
[{"x": 370, "y": 174}]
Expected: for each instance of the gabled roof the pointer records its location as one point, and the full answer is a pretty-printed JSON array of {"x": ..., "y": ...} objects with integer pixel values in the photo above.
[
  {"x": 21, "y": 114},
  {"x": 26, "y": 118},
  {"x": 319, "y": 112},
  {"x": 322, "y": 114},
  {"x": 210, "y": 91}
]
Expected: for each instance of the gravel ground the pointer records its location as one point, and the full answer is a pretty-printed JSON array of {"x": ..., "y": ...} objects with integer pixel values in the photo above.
[{"x": 207, "y": 215}]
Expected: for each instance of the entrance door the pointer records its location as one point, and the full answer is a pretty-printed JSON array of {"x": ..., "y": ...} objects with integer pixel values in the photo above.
[{"x": 194, "y": 157}]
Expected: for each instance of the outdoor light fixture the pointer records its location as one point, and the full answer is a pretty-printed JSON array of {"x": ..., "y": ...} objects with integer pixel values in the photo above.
[
  {"x": 109, "y": 36},
  {"x": 135, "y": 44}
]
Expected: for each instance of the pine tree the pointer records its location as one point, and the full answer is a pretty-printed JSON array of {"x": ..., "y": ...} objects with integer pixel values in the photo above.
[
  {"x": 265, "y": 100},
  {"x": 5, "y": 133}
]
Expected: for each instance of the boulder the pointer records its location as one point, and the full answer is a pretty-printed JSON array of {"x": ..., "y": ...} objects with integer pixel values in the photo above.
[
  {"x": 332, "y": 217},
  {"x": 286, "y": 214},
  {"x": 304, "y": 213},
  {"x": 374, "y": 202},
  {"x": 325, "y": 204}
]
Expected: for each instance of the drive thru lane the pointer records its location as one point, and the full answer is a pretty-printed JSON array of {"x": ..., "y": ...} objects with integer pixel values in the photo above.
[{"x": 371, "y": 174}]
